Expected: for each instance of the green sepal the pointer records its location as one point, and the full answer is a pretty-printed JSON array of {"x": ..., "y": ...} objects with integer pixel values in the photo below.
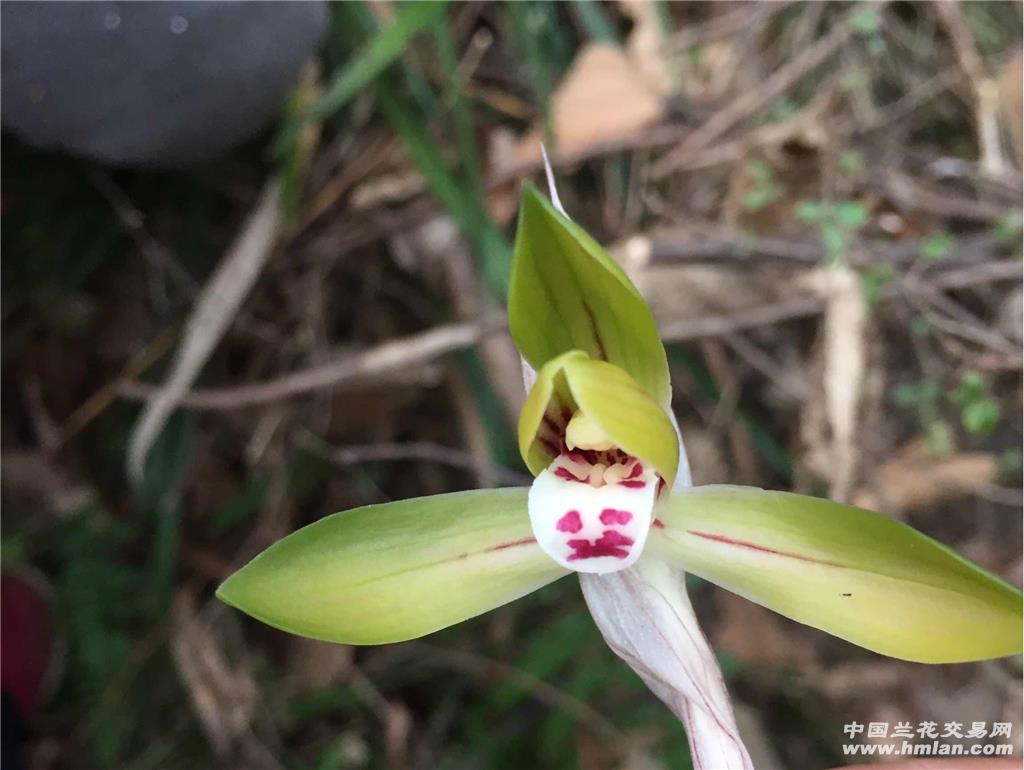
[
  {"x": 396, "y": 571},
  {"x": 855, "y": 574},
  {"x": 626, "y": 413},
  {"x": 567, "y": 294}
]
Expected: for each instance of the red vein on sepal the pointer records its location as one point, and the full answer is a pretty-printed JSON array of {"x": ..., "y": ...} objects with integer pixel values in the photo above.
[
  {"x": 760, "y": 548},
  {"x": 510, "y": 544},
  {"x": 498, "y": 547},
  {"x": 597, "y": 333}
]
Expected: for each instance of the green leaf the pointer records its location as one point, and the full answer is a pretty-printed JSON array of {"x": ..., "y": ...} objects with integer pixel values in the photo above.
[
  {"x": 980, "y": 417},
  {"x": 568, "y": 294},
  {"x": 395, "y": 571},
  {"x": 851, "y": 162},
  {"x": 812, "y": 212},
  {"x": 925, "y": 392},
  {"x": 865, "y": 21},
  {"x": 760, "y": 197},
  {"x": 971, "y": 388},
  {"x": 853, "y": 573},
  {"x": 874, "y": 279},
  {"x": 1008, "y": 229},
  {"x": 624, "y": 411},
  {"x": 851, "y": 214}
]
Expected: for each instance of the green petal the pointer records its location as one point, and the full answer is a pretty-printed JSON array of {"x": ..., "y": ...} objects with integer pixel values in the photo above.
[
  {"x": 633, "y": 420},
  {"x": 548, "y": 407},
  {"x": 850, "y": 572},
  {"x": 568, "y": 294},
  {"x": 396, "y": 571}
]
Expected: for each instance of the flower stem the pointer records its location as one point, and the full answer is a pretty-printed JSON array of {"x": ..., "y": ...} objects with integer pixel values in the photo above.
[{"x": 646, "y": 618}]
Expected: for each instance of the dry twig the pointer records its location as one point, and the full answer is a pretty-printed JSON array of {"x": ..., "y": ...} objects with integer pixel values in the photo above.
[
  {"x": 384, "y": 359},
  {"x": 214, "y": 310},
  {"x": 750, "y": 102}
]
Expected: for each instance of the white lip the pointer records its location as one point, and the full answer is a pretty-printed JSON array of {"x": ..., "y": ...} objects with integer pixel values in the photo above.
[{"x": 586, "y": 528}]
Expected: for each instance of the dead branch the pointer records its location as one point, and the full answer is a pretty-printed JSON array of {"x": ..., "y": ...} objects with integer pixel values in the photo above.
[{"x": 388, "y": 357}]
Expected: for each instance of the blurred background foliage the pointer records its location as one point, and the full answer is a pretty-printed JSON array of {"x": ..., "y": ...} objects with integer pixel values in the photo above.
[{"x": 820, "y": 200}]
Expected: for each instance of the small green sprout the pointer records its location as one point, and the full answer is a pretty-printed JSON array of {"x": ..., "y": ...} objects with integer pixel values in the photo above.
[
  {"x": 874, "y": 279},
  {"x": 867, "y": 23},
  {"x": 765, "y": 190},
  {"x": 836, "y": 222},
  {"x": 924, "y": 399},
  {"x": 979, "y": 413},
  {"x": 1009, "y": 228},
  {"x": 1010, "y": 462},
  {"x": 851, "y": 162}
]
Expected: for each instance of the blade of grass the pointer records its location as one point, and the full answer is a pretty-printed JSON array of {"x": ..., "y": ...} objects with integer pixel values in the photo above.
[
  {"x": 461, "y": 112},
  {"x": 376, "y": 55},
  {"x": 596, "y": 22},
  {"x": 466, "y": 209},
  {"x": 536, "y": 32},
  {"x": 163, "y": 484}
]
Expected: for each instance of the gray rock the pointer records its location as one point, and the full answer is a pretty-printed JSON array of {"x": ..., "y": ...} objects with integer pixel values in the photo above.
[{"x": 150, "y": 84}]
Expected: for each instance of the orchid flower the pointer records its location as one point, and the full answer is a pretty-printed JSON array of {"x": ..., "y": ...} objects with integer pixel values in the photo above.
[{"x": 612, "y": 501}]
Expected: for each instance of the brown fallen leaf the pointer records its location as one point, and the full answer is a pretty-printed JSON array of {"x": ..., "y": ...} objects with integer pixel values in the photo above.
[
  {"x": 602, "y": 98},
  {"x": 915, "y": 478}
]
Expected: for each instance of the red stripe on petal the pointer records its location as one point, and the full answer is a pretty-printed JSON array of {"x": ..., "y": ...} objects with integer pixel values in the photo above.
[{"x": 761, "y": 548}]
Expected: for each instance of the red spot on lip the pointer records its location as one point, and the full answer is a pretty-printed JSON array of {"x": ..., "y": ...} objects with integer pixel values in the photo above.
[
  {"x": 609, "y": 544},
  {"x": 613, "y": 537},
  {"x": 615, "y": 516},
  {"x": 637, "y": 470},
  {"x": 633, "y": 484},
  {"x": 761, "y": 548},
  {"x": 570, "y": 522}
]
